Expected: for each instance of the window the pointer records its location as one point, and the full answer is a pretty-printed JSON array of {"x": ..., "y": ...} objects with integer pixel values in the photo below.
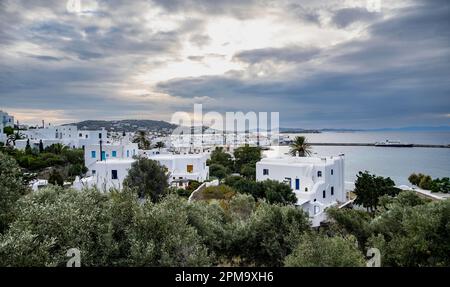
[
  {"x": 265, "y": 171},
  {"x": 114, "y": 153},
  {"x": 93, "y": 154},
  {"x": 288, "y": 181},
  {"x": 331, "y": 171},
  {"x": 114, "y": 174},
  {"x": 100, "y": 135},
  {"x": 306, "y": 189},
  {"x": 332, "y": 190},
  {"x": 324, "y": 194},
  {"x": 316, "y": 209},
  {"x": 319, "y": 173},
  {"x": 93, "y": 172},
  {"x": 189, "y": 168},
  {"x": 297, "y": 184},
  {"x": 86, "y": 136},
  {"x": 80, "y": 135},
  {"x": 103, "y": 155},
  {"x": 128, "y": 153}
]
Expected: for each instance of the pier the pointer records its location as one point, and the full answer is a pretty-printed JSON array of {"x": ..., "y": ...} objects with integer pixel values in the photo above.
[{"x": 373, "y": 144}]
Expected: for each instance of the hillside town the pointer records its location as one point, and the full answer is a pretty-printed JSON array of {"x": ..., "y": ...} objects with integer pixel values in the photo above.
[{"x": 318, "y": 182}]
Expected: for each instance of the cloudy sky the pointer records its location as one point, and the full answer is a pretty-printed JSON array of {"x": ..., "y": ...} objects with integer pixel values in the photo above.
[{"x": 320, "y": 64}]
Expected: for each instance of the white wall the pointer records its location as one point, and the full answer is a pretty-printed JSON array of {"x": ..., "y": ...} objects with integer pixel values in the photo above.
[
  {"x": 178, "y": 166},
  {"x": 122, "y": 151},
  {"x": 311, "y": 189},
  {"x": 6, "y": 119}
]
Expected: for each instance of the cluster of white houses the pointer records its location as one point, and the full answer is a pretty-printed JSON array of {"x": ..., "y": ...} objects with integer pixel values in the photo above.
[{"x": 318, "y": 182}]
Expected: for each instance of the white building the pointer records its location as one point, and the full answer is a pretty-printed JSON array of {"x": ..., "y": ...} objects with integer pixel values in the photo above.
[
  {"x": 184, "y": 167},
  {"x": 118, "y": 158},
  {"x": 112, "y": 151},
  {"x": 106, "y": 174},
  {"x": 6, "y": 120},
  {"x": 318, "y": 182},
  {"x": 66, "y": 135},
  {"x": 3, "y": 137}
]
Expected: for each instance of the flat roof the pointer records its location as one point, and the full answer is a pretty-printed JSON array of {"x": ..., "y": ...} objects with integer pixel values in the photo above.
[
  {"x": 175, "y": 156},
  {"x": 116, "y": 161},
  {"x": 300, "y": 161}
]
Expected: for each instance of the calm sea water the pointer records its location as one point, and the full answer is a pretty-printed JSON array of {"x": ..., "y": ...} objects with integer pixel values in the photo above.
[{"x": 397, "y": 163}]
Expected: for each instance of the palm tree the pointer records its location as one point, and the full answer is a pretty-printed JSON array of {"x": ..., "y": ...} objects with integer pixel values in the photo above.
[
  {"x": 57, "y": 148},
  {"x": 160, "y": 145},
  {"x": 141, "y": 139},
  {"x": 300, "y": 146}
]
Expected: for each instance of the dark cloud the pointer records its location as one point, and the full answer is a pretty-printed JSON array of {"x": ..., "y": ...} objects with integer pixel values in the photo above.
[
  {"x": 200, "y": 40},
  {"x": 398, "y": 75},
  {"x": 347, "y": 16},
  {"x": 287, "y": 54}
]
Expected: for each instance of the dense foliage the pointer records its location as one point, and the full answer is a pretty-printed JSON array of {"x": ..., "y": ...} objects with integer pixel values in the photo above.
[
  {"x": 225, "y": 228},
  {"x": 12, "y": 187},
  {"x": 369, "y": 188},
  {"x": 272, "y": 191},
  {"x": 68, "y": 162},
  {"x": 408, "y": 230},
  {"x": 116, "y": 229},
  {"x": 148, "y": 177},
  {"x": 317, "y": 250},
  {"x": 426, "y": 182}
]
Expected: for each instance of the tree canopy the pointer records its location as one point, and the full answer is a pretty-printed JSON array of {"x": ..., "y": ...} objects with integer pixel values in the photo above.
[{"x": 148, "y": 177}]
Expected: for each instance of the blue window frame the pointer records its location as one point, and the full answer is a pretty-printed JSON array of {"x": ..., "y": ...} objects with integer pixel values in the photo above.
[
  {"x": 103, "y": 155},
  {"x": 128, "y": 153},
  {"x": 114, "y": 153},
  {"x": 297, "y": 183},
  {"x": 93, "y": 154}
]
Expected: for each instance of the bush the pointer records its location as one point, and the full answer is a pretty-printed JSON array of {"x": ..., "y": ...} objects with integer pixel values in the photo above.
[
  {"x": 223, "y": 192},
  {"x": 414, "y": 179},
  {"x": 318, "y": 250},
  {"x": 272, "y": 191},
  {"x": 12, "y": 187},
  {"x": 56, "y": 178},
  {"x": 218, "y": 170},
  {"x": 425, "y": 182},
  {"x": 148, "y": 178}
]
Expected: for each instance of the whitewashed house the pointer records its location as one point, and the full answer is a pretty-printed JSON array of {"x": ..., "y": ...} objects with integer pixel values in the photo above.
[
  {"x": 184, "y": 167},
  {"x": 95, "y": 153},
  {"x": 3, "y": 137},
  {"x": 6, "y": 120},
  {"x": 66, "y": 135},
  {"x": 106, "y": 174},
  {"x": 109, "y": 168},
  {"x": 318, "y": 182}
]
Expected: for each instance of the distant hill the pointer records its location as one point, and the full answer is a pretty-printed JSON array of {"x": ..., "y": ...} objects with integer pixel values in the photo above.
[{"x": 125, "y": 125}]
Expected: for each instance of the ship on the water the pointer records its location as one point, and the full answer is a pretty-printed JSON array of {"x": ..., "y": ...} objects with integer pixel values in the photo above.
[{"x": 389, "y": 143}]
